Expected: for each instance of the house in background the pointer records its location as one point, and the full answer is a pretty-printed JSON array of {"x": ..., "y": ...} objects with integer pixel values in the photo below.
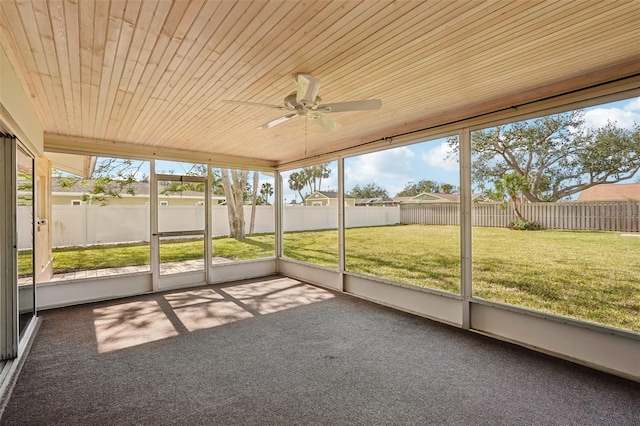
[
  {"x": 428, "y": 197},
  {"x": 611, "y": 192},
  {"x": 422, "y": 198},
  {"x": 78, "y": 194},
  {"x": 377, "y": 202},
  {"x": 328, "y": 198}
]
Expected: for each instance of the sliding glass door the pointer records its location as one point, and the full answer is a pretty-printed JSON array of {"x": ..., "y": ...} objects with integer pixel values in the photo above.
[
  {"x": 17, "y": 289},
  {"x": 25, "y": 236}
]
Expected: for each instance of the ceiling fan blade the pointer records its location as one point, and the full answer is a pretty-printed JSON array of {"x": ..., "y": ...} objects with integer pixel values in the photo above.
[
  {"x": 326, "y": 122},
  {"x": 227, "y": 101},
  {"x": 308, "y": 87},
  {"x": 368, "y": 104},
  {"x": 278, "y": 121}
]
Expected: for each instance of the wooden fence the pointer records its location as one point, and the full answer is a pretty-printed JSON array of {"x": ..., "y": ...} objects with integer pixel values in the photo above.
[{"x": 621, "y": 216}]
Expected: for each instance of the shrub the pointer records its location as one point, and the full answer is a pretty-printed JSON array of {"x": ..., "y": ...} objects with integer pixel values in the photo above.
[{"x": 524, "y": 225}]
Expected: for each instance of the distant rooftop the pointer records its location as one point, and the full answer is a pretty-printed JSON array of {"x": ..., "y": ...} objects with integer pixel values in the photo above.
[{"x": 611, "y": 192}]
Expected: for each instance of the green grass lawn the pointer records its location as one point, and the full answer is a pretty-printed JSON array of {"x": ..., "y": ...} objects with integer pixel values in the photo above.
[
  {"x": 423, "y": 256},
  {"x": 113, "y": 256},
  {"x": 593, "y": 276}
]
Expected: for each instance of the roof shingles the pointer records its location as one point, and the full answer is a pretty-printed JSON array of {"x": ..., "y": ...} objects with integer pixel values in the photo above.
[{"x": 611, "y": 192}]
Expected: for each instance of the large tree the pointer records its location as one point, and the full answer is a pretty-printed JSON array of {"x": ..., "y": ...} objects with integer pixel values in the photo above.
[
  {"x": 370, "y": 190},
  {"x": 555, "y": 156}
]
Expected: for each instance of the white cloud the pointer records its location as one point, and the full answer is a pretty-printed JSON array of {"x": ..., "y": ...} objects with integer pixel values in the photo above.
[
  {"x": 437, "y": 157},
  {"x": 624, "y": 118},
  {"x": 633, "y": 105},
  {"x": 390, "y": 169},
  {"x": 624, "y": 114}
]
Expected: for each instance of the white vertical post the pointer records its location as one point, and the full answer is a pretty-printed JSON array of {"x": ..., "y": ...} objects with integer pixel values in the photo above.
[
  {"x": 208, "y": 226},
  {"x": 278, "y": 204},
  {"x": 341, "y": 222},
  {"x": 155, "y": 241},
  {"x": 465, "y": 225}
]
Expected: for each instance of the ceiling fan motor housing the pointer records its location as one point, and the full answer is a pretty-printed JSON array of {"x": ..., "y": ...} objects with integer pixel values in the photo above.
[{"x": 291, "y": 101}]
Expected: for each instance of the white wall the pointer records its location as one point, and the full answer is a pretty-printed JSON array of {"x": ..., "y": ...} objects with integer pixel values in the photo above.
[
  {"x": 86, "y": 224},
  {"x": 17, "y": 112}
]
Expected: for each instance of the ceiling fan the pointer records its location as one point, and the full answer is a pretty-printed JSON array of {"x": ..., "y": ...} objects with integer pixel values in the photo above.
[{"x": 306, "y": 103}]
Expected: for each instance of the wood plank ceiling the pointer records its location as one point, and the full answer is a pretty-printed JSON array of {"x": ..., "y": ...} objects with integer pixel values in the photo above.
[{"x": 154, "y": 73}]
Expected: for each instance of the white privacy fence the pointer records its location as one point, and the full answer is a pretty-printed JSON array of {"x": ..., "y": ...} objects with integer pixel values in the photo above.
[
  {"x": 86, "y": 224},
  {"x": 621, "y": 216}
]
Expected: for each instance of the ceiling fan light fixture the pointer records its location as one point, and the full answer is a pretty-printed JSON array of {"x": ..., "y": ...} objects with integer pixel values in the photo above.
[{"x": 278, "y": 121}]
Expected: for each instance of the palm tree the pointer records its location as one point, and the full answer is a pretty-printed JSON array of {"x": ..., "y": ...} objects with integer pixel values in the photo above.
[
  {"x": 297, "y": 182},
  {"x": 313, "y": 176},
  {"x": 254, "y": 200},
  {"x": 266, "y": 191}
]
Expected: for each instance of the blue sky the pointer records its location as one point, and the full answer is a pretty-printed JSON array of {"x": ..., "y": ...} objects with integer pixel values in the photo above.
[{"x": 393, "y": 168}]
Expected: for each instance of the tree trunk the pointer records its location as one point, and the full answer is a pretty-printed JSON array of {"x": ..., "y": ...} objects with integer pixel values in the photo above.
[
  {"x": 239, "y": 183},
  {"x": 254, "y": 198},
  {"x": 516, "y": 210},
  {"x": 233, "y": 191},
  {"x": 228, "y": 194}
]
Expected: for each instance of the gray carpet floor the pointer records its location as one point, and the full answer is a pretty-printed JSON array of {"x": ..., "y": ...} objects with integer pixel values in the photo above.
[{"x": 279, "y": 352}]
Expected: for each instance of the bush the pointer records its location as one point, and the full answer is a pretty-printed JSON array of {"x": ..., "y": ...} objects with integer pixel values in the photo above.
[{"x": 524, "y": 225}]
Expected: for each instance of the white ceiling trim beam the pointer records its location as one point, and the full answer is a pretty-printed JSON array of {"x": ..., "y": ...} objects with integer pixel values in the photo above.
[
  {"x": 78, "y": 165},
  {"x": 97, "y": 147}
]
